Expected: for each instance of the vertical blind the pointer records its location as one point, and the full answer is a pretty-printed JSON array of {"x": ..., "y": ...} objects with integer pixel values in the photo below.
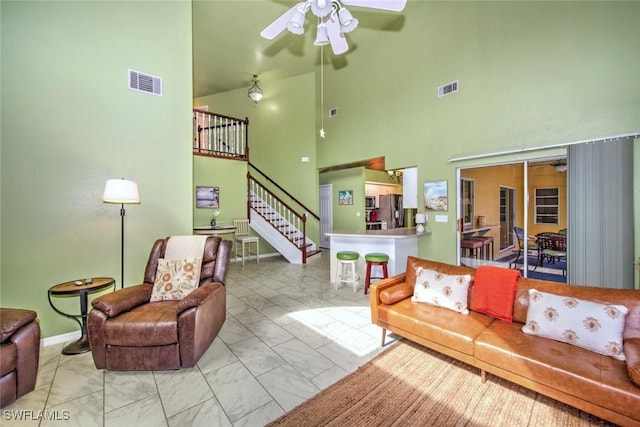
[{"x": 600, "y": 222}]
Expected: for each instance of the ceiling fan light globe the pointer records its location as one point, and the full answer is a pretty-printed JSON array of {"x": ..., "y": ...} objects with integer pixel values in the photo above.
[
  {"x": 321, "y": 8},
  {"x": 322, "y": 36},
  {"x": 296, "y": 23},
  {"x": 255, "y": 96},
  {"x": 347, "y": 22}
]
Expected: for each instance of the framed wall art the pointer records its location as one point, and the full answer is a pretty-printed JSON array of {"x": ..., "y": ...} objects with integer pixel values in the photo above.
[
  {"x": 207, "y": 197},
  {"x": 435, "y": 196},
  {"x": 345, "y": 197}
]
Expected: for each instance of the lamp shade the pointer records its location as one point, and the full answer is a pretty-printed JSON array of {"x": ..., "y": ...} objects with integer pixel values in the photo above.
[
  {"x": 421, "y": 218},
  {"x": 322, "y": 36},
  {"x": 347, "y": 22},
  {"x": 121, "y": 191}
]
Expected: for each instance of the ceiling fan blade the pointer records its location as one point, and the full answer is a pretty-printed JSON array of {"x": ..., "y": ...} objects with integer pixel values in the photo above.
[
  {"x": 280, "y": 24},
  {"x": 337, "y": 39},
  {"x": 394, "y": 5}
]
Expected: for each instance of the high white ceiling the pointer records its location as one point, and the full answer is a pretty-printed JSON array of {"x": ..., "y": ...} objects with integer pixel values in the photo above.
[{"x": 228, "y": 49}]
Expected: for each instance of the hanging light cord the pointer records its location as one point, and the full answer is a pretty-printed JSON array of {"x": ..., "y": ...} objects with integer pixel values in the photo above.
[{"x": 321, "y": 91}]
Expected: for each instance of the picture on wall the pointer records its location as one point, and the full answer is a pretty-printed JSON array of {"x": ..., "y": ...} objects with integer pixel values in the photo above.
[
  {"x": 207, "y": 197},
  {"x": 345, "y": 197},
  {"x": 435, "y": 196}
]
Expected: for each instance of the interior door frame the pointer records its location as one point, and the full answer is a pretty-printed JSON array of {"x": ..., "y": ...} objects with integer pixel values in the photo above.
[{"x": 326, "y": 214}]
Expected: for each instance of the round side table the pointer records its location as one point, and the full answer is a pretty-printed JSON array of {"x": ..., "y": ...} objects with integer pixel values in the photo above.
[{"x": 82, "y": 289}]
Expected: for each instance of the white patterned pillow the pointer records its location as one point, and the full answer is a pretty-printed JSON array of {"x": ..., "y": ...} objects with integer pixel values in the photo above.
[
  {"x": 587, "y": 324},
  {"x": 175, "y": 278},
  {"x": 441, "y": 289}
]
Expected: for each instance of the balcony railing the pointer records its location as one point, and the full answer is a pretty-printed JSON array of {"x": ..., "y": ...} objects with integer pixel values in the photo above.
[{"x": 216, "y": 135}]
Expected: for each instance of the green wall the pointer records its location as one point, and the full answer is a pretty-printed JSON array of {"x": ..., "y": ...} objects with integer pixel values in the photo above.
[
  {"x": 347, "y": 217},
  {"x": 69, "y": 123},
  {"x": 530, "y": 74}
]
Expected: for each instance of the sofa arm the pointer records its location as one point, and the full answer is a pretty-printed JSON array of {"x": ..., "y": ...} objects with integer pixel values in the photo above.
[
  {"x": 123, "y": 300},
  {"x": 204, "y": 312},
  {"x": 632, "y": 356},
  {"x": 376, "y": 288},
  {"x": 197, "y": 297}
]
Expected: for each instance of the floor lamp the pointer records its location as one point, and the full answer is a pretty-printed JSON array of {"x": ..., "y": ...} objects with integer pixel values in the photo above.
[{"x": 124, "y": 192}]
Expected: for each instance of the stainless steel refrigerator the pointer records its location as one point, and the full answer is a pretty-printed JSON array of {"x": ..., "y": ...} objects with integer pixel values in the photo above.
[{"x": 391, "y": 211}]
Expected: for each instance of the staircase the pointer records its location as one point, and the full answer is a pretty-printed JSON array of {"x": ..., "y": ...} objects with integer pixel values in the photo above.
[
  {"x": 282, "y": 226},
  {"x": 278, "y": 222}
]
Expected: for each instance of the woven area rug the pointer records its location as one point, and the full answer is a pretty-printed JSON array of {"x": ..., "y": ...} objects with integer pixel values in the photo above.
[{"x": 411, "y": 385}]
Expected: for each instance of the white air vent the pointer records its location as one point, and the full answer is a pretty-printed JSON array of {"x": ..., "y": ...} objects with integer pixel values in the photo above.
[
  {"x": 448, "y": 88},
  {"x": 142, "y": 82}
]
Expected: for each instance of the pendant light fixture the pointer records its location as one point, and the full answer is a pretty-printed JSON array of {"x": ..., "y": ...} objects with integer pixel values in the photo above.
[{"x": 255, "y": 92}]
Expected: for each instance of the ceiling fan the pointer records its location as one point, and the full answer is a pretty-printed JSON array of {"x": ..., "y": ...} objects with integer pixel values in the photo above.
[{"x": 334, "y": 20}]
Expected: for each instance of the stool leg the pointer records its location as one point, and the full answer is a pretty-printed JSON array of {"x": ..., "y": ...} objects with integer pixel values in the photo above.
[
  {"x": 338, "y": 274},
  {"x": 385, "y": 272},
  {"x": 355, "y": 277},
  {"x": 367, "y": 278}
]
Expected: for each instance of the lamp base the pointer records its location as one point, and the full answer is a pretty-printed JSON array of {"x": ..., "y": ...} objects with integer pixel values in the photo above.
[{"x": 420, "y": 228}]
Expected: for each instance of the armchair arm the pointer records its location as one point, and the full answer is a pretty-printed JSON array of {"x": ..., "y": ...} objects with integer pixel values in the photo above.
[
  {"x": 196, "y": 297},
  {"x": 123, "y": 300}
]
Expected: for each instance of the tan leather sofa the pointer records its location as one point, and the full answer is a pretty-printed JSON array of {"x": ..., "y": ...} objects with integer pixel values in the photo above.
[
  {"x": 128, "y": 332},
  {"x": 594, "y": 383},
  {"x": 19, "y": 353}
]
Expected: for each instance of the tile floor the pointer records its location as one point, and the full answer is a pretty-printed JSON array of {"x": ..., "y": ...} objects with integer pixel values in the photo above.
[{"x": 289, "y": 333}]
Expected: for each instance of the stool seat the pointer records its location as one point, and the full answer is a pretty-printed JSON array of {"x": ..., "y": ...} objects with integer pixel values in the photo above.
[
  {"x": 376, "y": 257},
  {"x": 347, "y": 255},
  {"x": 373, "y": 259}
]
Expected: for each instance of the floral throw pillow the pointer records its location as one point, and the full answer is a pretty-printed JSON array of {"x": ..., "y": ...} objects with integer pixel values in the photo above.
[
  {"x": 175, "y": 278},
  {"x": 587, "y": 324},
  {"x": 442, "y": 290}
]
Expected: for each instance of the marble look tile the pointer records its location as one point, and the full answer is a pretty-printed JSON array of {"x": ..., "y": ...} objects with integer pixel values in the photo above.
[
  {"x": 287, "y": 386},
  {"x": 233, "y": 301},
  {"x": 123, "y": 388},
  {"x": 75, "y": 377},
  {"x": 181, "y": 389},
  {"x": 261, "y": 416},
  {"x": 237, "y": 390},
  {"x": 278, "y": 315},
  {"x": 256, "y": 301},
  {"x": 288, "y": 303},
  {"x": 205, "y": 414},
  {"x": 256, "y": 356},
  {"x": 245, "y": 314},
  {"x": 240, "y": 290},
  {"x": 145, "y": 412},
  {"x": 233, "y": 331},
  {"x": 306, "y": 360},
  {"x": 34, "y": 401},
  {"x": 346, "y": 315},
  {"x": 315, "y": 318},
  {"x": 342, "y": 357},
  {"x": 266, "y": 292},
  {"x": 350, "y": 338},
  {"x": 311, "y": 336},
  {"x": 85, "y": 411},
  {"x": 216, "y": 356},
  {"x": 269, "y": 332}
]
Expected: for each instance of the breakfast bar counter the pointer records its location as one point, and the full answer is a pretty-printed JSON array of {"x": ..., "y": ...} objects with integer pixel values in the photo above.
[{"x": 398, "y": 243}]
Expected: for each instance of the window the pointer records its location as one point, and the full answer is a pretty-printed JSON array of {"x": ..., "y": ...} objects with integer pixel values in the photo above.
[
  {"x": 467, "y": 201},
  {"x": 547, "y": 205}
]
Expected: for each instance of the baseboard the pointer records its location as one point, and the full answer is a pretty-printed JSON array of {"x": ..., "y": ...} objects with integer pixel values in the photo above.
[
  {"x": 253, "y": 257},
  {"x": 58, "y": 339}
]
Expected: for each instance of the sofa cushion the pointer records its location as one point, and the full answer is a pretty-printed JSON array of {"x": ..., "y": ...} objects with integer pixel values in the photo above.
[
  {"x": 442, "y": 326},
  {"x": 443, "y": 290},
  {"x": 587, "y": 324},
  {"x": 175, "y": 278},
  {"x": 146, "y": 325},
  {"x": 569, "y": 369},
  {"x": 396, "y": 293}
]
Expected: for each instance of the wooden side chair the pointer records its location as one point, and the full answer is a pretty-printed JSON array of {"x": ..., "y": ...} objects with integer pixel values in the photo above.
[{"x": 244, "y": 238}]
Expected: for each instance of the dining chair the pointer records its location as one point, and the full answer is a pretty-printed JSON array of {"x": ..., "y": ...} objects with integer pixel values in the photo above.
[
  {"x": 551, "y": 247},
  {"x": 244, "y": 238},
  {"x": 520, "y": 237}
]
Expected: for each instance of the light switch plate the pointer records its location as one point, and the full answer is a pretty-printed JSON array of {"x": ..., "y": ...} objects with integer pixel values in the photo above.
[{"x": 442, "y": 218}]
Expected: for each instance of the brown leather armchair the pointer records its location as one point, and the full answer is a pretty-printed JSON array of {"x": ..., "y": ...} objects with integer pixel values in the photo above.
[
  {"x": 127, "y": 332},
  {"x": 19, "y": 353}
]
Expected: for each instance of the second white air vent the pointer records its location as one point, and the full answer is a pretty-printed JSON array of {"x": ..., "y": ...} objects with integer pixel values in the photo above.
[
  {"x": 447, "y": 88},
  {"x": 147, "y": 83}
]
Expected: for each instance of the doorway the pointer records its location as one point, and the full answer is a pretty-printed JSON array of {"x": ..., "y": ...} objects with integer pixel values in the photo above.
[
  {"x": 507, "y": 217},
  {"x": 326, "y": 214}
]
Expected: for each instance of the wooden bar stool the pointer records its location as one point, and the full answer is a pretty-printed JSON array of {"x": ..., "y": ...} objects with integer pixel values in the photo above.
[
  {"x": 473, "y": 246},
  {"x": 346, "y": 271},
  {"x": 487, "y": 246},
  {"x": 373, "y": 259}
]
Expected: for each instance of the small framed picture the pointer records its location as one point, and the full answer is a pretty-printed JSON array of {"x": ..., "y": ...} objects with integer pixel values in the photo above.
[
  {"x": 207, "y": 197},
  {"x": 435, "y": 196},
  {"x": 345, "y": 197}
]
